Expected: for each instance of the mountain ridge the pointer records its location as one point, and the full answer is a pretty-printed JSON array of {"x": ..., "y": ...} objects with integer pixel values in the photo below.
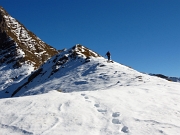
[
  {"x": 173, "y": 79},
  {"x": 77, "y": 53},
  {"x": 76, "y": 70},
  {"x": 36, "y": 51},
  {"x": 21, "y": 51}
]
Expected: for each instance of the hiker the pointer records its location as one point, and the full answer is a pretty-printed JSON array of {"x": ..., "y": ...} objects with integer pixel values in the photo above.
[{"x": 108, "y": 55}]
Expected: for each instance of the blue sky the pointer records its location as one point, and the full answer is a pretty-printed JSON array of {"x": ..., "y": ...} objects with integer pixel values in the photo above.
[{"x": 142, "y": 34}]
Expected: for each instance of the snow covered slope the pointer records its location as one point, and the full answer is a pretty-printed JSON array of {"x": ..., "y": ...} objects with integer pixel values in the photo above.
[
  {"x": 78, "y": 69},
  {"x": 81, "y": 69},
  {"x": 20, "y": 52},
  {"x": 78, "y": 92},
  {"x": 115, "y": 103}
]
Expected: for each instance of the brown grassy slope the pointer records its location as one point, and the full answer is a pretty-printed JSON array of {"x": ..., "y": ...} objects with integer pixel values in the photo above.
[{"x": 7, "y": 31}]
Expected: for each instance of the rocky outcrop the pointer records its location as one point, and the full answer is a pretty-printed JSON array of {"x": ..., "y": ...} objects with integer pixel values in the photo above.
[{"x": 19, "y": 45}]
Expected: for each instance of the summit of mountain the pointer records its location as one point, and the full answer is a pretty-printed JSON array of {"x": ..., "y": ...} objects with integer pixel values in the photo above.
[
  {"x": 65, "y": 61},
  {"x": 21, "y": 51}
]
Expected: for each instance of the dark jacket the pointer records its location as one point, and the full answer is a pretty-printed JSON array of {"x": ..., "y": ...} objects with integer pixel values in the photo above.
[{"x": 108, "y": 54}]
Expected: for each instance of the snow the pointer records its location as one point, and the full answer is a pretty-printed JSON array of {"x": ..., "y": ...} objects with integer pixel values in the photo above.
[
  {"x": 97, "y": 98},
  {"x": 20, "y": 53},
  {"x": 9, "y": 77},
  {"x": 122, "y": 110},
  {"x": 75, "y": 75}
]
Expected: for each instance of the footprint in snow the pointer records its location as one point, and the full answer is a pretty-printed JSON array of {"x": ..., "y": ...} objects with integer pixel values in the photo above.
[
  {"x": 116, "y": 121},
  {"x": 83, "y": 94},
  {"x": 114, "y": 115},
  {"x": 85, "y": 97},
  {"x": 125, "y": 129},
  {"x": 97, "y": 105},
  {"x": 102, "y": 111}
]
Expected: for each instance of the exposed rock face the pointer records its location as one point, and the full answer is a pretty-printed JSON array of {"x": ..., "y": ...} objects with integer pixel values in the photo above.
[
  {"x": 21, "y": 52},
  {"x": 59, "y": 64},
  {"x": 18, "y": 45}
]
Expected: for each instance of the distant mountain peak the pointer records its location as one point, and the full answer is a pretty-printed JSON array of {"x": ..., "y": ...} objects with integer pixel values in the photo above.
[{"x": 173, "y": 79}]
